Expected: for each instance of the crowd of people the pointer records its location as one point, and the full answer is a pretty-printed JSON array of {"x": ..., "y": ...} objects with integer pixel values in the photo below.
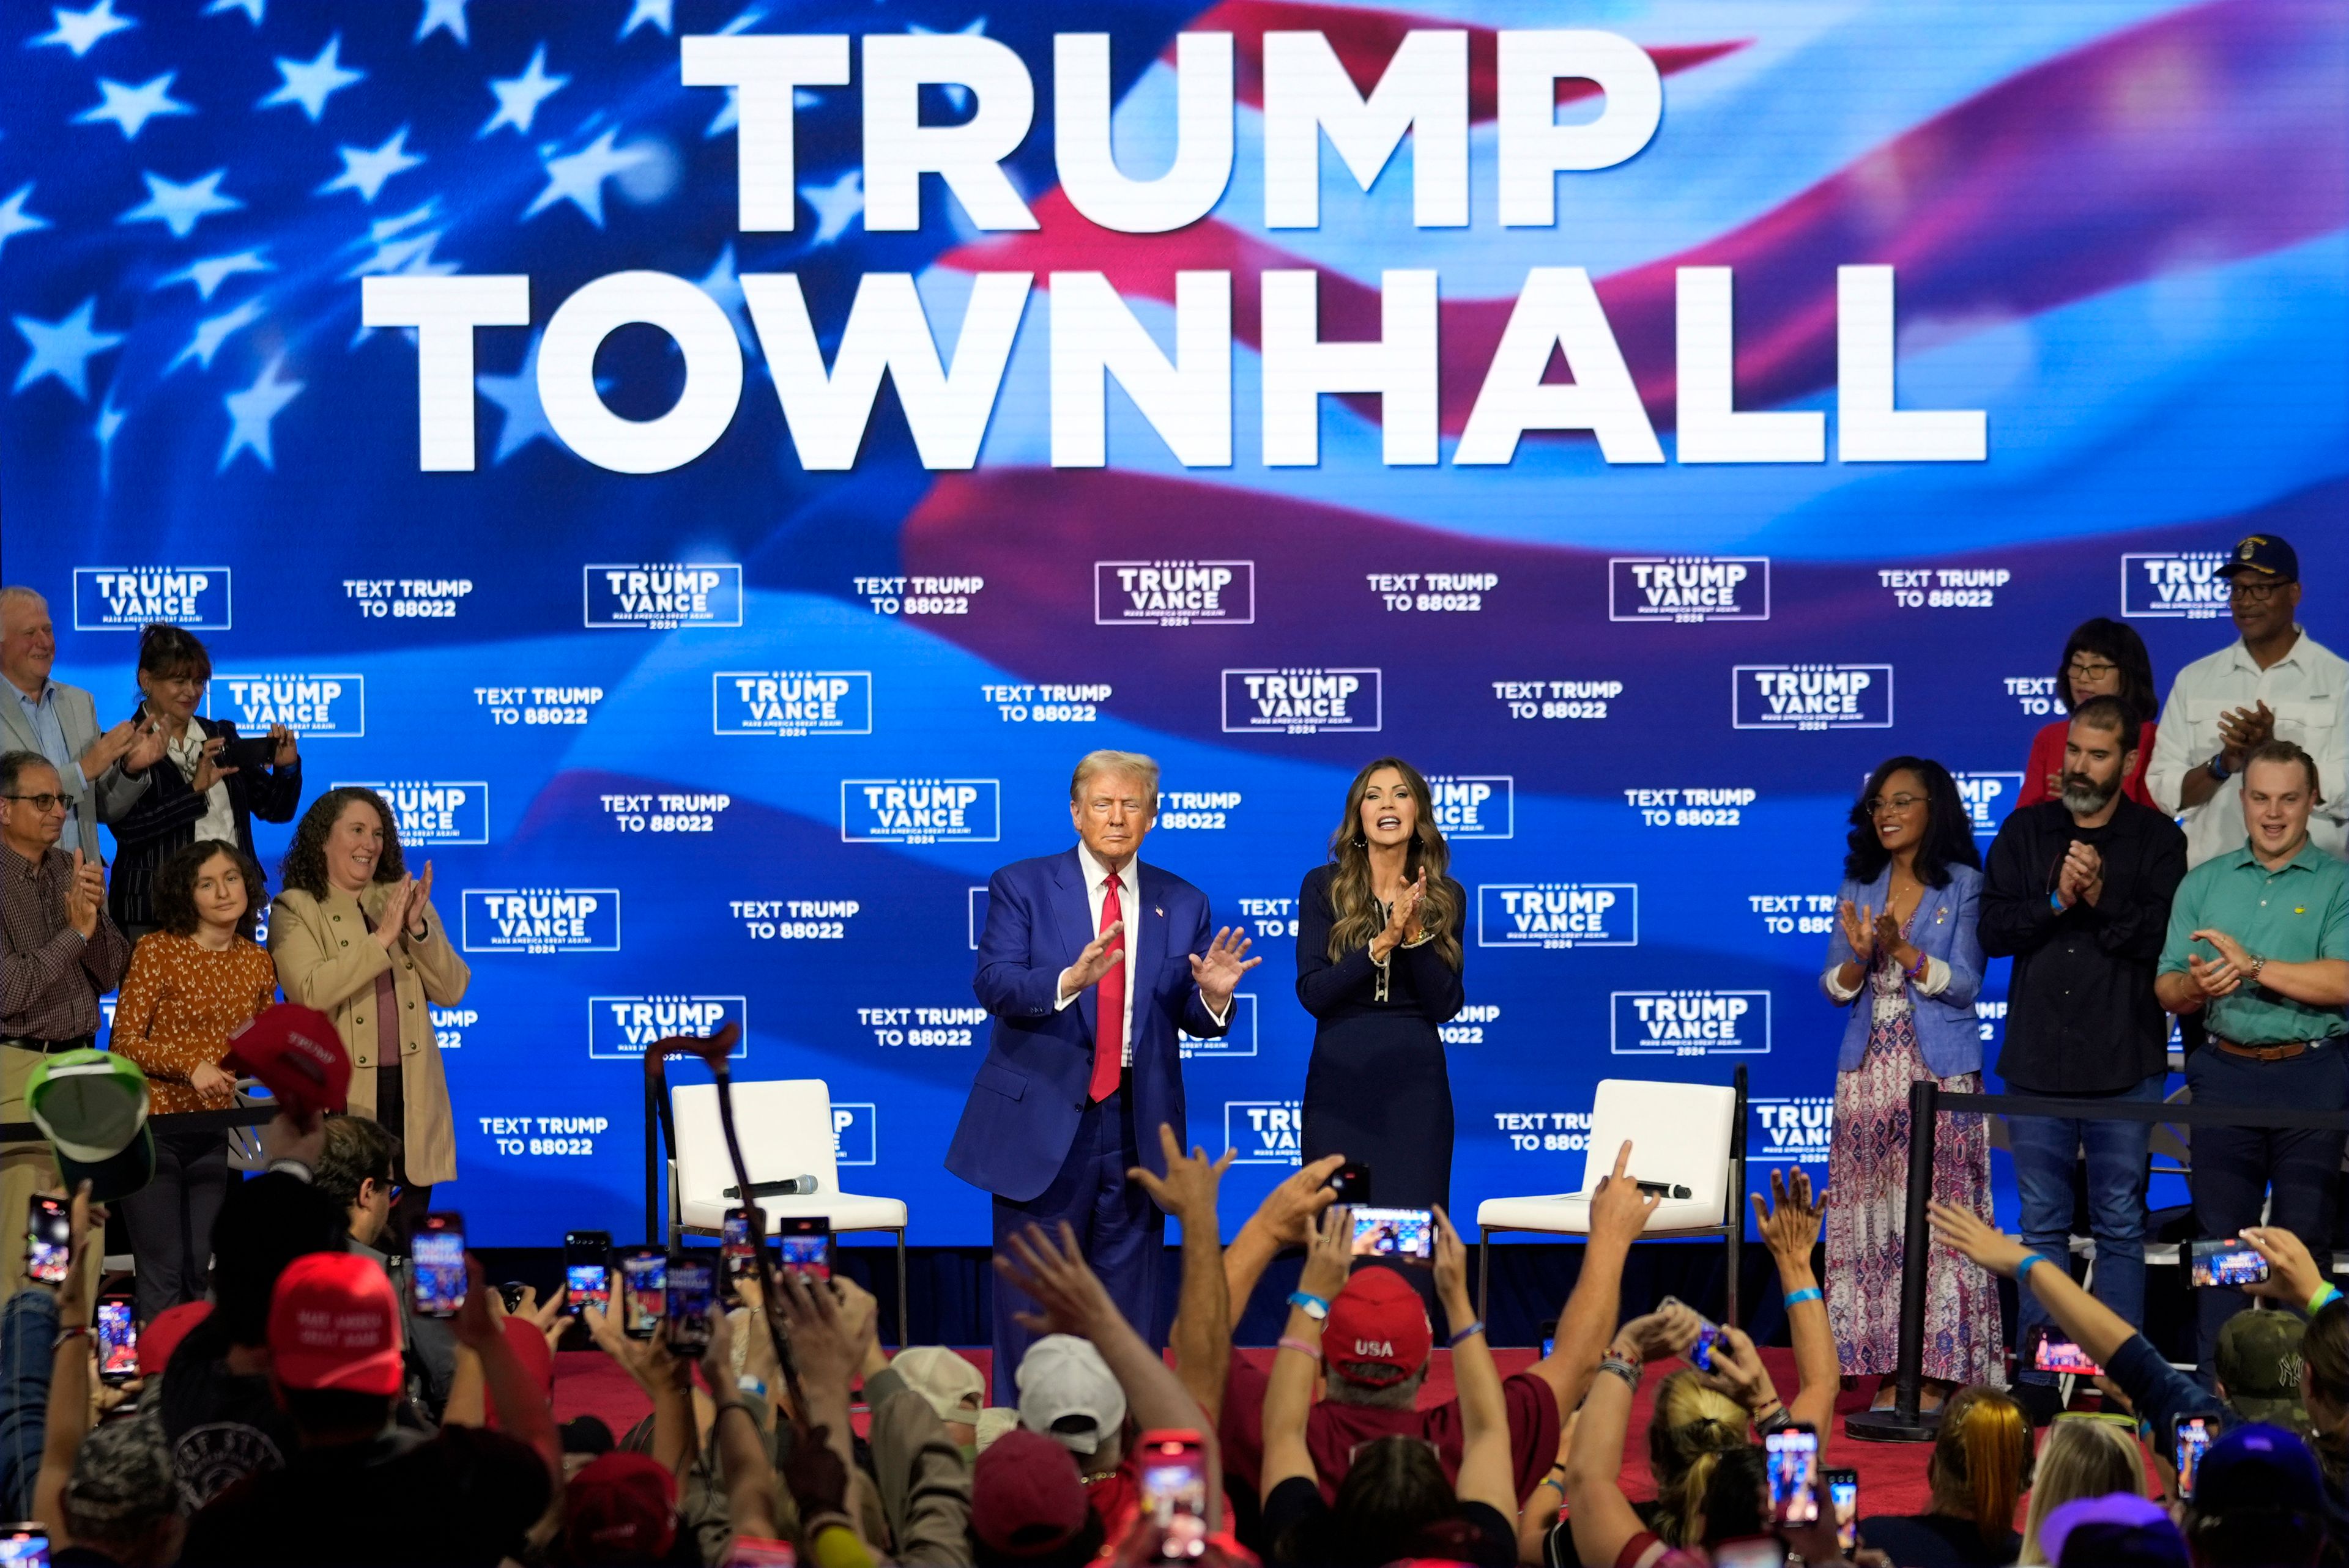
[{"x": 2184, "y": 864}]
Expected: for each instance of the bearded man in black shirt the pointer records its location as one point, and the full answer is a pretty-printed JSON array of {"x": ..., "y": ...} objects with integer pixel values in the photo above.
[{"x": 2076, "y": 890}]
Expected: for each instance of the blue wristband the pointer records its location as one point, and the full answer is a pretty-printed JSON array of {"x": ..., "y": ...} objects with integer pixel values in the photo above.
[
  {"x": 1475, "y": 1327},
  {"x": 1808, "y": 1293},
  {"x": 2030, "y": 1260},
  {"x": 1315, "y": 1308}
]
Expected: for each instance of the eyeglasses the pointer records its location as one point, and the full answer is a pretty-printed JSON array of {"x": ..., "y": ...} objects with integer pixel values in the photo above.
[
  {"x": 1877, "y": 805},
  {"x": 44, "y": 804},
  {"x": 2254, "y": 592},
  {"x": 2088, "y": 672}
]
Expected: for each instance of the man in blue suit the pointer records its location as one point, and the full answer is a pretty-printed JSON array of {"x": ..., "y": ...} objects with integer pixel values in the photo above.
[{"x": 1091, "y": 961}]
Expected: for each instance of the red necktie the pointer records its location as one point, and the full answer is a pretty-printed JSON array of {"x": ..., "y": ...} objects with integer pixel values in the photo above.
[{"x": 1108, "y": 1003}]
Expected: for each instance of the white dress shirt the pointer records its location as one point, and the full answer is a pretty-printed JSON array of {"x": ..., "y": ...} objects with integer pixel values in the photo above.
[
  {"x": 1129, "y": 898},
  {"x": 2305, "y": 689},
  {"x": 218, "y": 824}
]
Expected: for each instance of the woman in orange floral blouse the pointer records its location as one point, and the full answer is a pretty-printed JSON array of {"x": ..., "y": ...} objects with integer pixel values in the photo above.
[{"x": 190, "y": 984}]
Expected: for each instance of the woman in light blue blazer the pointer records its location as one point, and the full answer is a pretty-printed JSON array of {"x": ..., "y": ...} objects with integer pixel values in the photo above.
[{"x": 1905, "y": 965}]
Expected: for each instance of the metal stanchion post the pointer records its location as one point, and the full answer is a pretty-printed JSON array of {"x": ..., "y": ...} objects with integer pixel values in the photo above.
[{"x": 1905, "y": 1422}]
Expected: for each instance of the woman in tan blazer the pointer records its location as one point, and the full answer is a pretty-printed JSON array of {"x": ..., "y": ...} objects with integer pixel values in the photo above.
[{"x": 358, "y": 938}]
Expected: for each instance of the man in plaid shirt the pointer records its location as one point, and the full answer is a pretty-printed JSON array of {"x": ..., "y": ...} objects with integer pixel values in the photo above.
[{"x": 58, "y": 954}]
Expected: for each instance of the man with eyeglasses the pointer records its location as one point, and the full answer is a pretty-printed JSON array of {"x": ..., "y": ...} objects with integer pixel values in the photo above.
[
  {"x": 58, "y": 954},
  {"x": 2077, "y": 890},
  {"x": 2274, "y": 683},
  {"x": 101, "y": 772}
]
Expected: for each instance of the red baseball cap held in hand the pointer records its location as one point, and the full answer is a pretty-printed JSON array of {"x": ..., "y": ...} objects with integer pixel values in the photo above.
[
  {"x": 297, "y": 1055},
  {"x": 333, "y": 1323},
  {"x": 1378, "y": 1321}
]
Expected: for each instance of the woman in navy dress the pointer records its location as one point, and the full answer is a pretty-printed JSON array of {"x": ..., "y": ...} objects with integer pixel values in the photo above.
[{"x": 1378, "y": 965}]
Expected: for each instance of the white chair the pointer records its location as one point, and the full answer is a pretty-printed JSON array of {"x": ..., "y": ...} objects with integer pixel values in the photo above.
[
  {"x": 785, "y": 1125},
  {"x": 1689, "y": 1135}
]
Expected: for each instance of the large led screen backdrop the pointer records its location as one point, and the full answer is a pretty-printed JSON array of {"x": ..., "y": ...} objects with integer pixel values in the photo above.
[{"x": 716, "y": 464}]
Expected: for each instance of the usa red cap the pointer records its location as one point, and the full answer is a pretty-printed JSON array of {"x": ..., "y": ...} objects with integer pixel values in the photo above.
[
  {"x": 1377, "y": 1321},
  {"x": 333, "y": 1323},
  {"x": 297, "y": 1055}
]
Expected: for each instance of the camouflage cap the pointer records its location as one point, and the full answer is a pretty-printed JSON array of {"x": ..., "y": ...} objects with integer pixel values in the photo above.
[{"x": 2258, "y": 1365}]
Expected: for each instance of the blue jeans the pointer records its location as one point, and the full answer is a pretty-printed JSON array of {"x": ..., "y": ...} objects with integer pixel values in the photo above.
[
  {"x": 28, "y": 1329},
  {"x": 2045, "y": 1149}
]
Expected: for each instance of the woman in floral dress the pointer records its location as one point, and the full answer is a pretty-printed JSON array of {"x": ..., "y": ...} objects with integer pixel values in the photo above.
[{"x": 1905, "y": 963}]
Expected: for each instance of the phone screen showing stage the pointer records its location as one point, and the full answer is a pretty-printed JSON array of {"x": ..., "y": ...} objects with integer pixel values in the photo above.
[
  {"x": 118, "y": 1341},
  {"x": 2228, "y": 1262},
  {"x": 1792, "y": 1455},
  {"x": 1402, "y": 1236}
]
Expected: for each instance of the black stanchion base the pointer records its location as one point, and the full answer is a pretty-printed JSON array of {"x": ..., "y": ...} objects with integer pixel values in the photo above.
[{"x": 1892, "y": 1427}]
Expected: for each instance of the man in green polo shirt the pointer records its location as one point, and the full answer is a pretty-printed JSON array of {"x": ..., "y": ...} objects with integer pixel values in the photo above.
[{"x": 2259, "y": 945}]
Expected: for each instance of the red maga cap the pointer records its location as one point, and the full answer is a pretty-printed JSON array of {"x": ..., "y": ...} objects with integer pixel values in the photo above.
[
  {"x": 297, "y": 1055},
  {"x": 1378, "y": 1320}
]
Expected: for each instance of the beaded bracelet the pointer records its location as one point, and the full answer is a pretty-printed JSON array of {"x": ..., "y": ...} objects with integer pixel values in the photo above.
[{"x": 1623, "y": 1369}]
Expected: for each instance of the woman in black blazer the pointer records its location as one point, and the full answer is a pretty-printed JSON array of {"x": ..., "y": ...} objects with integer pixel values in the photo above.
[
  {"x": 201, "y": 789},
  {"x": 1378, "y": 965}
]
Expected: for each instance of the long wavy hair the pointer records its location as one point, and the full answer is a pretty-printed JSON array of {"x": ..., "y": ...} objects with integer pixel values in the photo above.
[
  {"x": 1948, "y": 836},
  {"x": 304, "y": 865},
  {"x": 1350, "y": 900},
  {"x": 1693, "y": 1426}
]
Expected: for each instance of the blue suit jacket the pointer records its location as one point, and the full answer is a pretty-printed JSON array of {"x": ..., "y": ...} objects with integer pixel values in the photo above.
[
  {"x": 1029, "y": 1092},
  {"x": 1948, "y": 1033}
]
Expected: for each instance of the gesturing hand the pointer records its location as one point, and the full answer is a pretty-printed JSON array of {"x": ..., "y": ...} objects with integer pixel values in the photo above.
[
  {"x": 1188, "y": 1188},
  {"x": 1789, "y": 1226},
  {"x": 147, "y": 747},
  {"x": 1287, "y": 1215},
  {"x": 1099, "y": 956},
  {"x": 85, "y": 897},
  {"x": 1218, "y": 972},
  {"x": 1618, "y": 1210},
  {"x": 1859, "y": 930},
  {"x": 1054, "y": 1273},
  {"x": 208, "y": 771},
  {"x": 1966, "y": 1233},
  {"x": 1329, "y": 1254},
  {"x": 2214, "y": 980}
]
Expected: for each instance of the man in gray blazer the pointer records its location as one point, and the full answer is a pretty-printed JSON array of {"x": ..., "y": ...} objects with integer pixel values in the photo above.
[{"x": 60, "y": 722}]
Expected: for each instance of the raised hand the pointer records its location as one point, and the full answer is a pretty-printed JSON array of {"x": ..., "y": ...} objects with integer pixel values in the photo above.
[
  {"x": 1219, "y": 973},
  {"x": 1737, "y": 1370},
  {"x": 1054, "y": 1273},
  {"x": 1790, "y": 1224},
  {"x": 1329, "y": 1254},
  {"x": 208, "y": 771},
  {"x": 1618, "y": 1210},
  {"x": 1859, "y": 930},
  {"x": 1451, "y": 1274},
  {"x": 2293, "y": 1276},
  {"x": 1966, "y": 1233},
  {"x": 1099, "y": 956},
  {"x": 1669, "y": 1330},
  {"x": 286, "y": 752},
  {"x": 1188, "y": 1188},
  {"x": 1287, "y": 1215}
]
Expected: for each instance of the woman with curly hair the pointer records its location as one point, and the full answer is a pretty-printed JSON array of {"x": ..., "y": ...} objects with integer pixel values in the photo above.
[
  {"x": 358, "y": 938},
  {"x": 1378, "y": 965},
  {"x": 1905, "y": 962},
  {"x": 193, "y": 981}
]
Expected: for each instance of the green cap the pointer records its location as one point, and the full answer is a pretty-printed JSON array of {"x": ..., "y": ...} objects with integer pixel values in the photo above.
[
  {"x": 92, "y": 1106},
  {"x": 2258, "y": 1365}
]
